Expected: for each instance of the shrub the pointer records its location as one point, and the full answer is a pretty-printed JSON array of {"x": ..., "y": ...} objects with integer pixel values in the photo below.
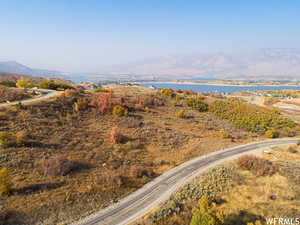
[
  {"x": 120, "y": 111},
  {"x": 8, "y": 83},
  {"x": 249, "y": 117},
  {"x": 57, "y": 165},
  {"x": 258, "y": 166},
  {"x": 7, "y": 94},
  {"x": 167, "y": 92},
  {"x": 7, "y": 139},
  {"x": 174, "y": 103},
  {"x": 225, "y": 134},
  {"x": 81, "y": 105},
  {"x": 24, "y": 83},
  {"x": 271, "y": 133},
  {"x": 5, "y": 182},
  {"x": 139, "y": 171},
  {"x": 292, "y": 149},
  {"x": 204, "y": 215},
  {"x": 53, "y": 85},
  {"x": 196, "y": 103},
  {"x": 71, "y": 93},
  {"x": 181, "y": 114},
  {"x": 102, "y": 90},
  {"x": 104, "y": 103},
  {"x": 116, "y": 136}
]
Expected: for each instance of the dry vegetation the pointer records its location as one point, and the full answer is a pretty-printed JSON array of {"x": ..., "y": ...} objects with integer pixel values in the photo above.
[
  {"x": 69, "y": 157},
  {"x": 8, "y": 94},
  {"x": 243, "y": 192}
]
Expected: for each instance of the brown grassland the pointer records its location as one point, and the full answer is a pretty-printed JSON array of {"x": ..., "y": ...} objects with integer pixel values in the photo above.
[
  {"x": 154, "y": 140},
  {"x": 239, "y": 195},
  {"x": 71, "y": 156}
]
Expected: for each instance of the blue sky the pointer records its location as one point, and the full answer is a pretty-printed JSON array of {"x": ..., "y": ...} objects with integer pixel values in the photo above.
[{"x": 85, "y": 35}]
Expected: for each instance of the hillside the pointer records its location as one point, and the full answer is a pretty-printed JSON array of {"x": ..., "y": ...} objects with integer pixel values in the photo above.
[
  {"x": 15, "y": 77},
  {"x": 17, "y": 68}
]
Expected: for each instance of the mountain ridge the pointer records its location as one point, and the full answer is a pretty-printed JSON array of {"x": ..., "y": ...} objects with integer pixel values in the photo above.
[{"x": 261, "y": 63}]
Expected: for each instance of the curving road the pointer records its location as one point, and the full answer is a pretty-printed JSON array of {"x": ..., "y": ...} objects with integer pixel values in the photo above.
[
  {"x": 45, "y": 95},
  {"x": 159, "y": 190}
]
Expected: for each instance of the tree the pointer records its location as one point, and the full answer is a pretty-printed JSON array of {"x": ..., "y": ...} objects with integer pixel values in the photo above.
[
  {"x": 204, "y": 215},
  {"x": 24, "y": 83}
]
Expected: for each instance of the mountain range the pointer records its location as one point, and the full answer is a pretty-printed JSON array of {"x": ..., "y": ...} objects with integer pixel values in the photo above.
[
  {"x": 261, "y": 63},
  {"x": 17, "y": 68}
]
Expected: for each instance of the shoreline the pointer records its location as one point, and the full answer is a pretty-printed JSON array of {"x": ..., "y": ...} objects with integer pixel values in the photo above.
[{"x": 216, "y": 84}]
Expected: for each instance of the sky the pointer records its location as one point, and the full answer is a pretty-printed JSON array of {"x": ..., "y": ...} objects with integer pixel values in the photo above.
[{"x": 87, "y": 35}]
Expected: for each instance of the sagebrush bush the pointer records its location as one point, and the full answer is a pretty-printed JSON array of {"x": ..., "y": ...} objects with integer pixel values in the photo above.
[
  {"x": 116, "y": 136},
  {"x": 257, "y": 165},
  {"x": 57, "y": 165},
  {"x": 7, "y": 139},
  {"x": 119, "y": 111},
  {"x": 5, "y": 182}
]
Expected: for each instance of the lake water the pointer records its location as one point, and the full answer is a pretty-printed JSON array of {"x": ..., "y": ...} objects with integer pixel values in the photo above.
[{"x": 217, "y": 88}]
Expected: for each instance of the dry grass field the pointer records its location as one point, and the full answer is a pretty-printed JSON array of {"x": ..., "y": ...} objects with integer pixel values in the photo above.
[
  {"x": 69, "y": 159},
  {"x": 241, "y": 196}
]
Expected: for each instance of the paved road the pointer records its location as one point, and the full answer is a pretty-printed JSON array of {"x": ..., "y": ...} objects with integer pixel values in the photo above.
[
  {"x": 45, "y": 95},
  {"x": 157, "y": 191}
]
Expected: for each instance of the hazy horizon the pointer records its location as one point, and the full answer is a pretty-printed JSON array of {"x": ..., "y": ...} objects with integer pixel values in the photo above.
[{"x": 87, "y": 36}]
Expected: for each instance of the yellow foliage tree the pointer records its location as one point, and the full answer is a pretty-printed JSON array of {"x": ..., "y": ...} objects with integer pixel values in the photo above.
[{"x": 24, "y": 83}]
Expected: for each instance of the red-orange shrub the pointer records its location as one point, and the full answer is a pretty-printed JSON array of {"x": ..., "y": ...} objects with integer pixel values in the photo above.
[
  {"x": 104, "y": 102},
  {"x": 257, "y": 165},
  {"x": 57, "y": 165},
  {"x": 116, "y": 136},
  {"x": 138, "y": 172}
]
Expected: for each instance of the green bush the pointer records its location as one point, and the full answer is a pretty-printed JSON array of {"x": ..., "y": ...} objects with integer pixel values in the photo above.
[
  {"x": 204, "y": 214},
  {"x": 119, "y": 111},
  {"x": 8, "y": 83},
  {"x": 196, "y": 103},
  {"x": 53, "y": 85},
  {"x": 249, "y": 117}
]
